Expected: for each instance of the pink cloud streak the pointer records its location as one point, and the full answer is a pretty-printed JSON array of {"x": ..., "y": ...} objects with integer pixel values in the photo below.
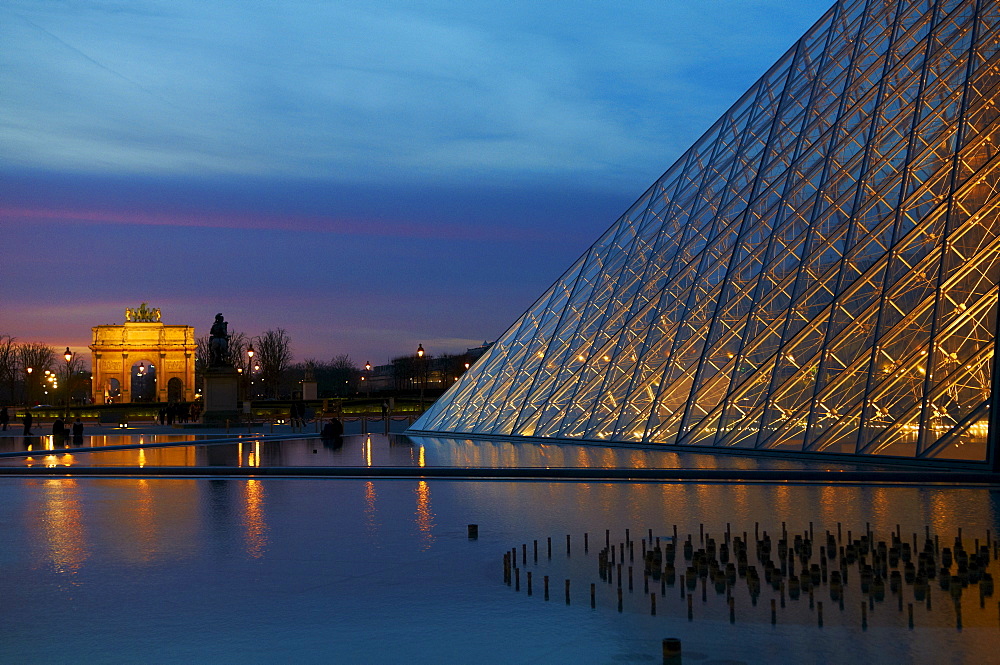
[{"x": 232, "y": 220}]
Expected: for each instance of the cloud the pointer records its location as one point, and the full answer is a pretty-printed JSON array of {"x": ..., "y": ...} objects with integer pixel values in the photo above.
[
  {"x": 360, "y": 93},
  {"x": 359, "y": 173}
]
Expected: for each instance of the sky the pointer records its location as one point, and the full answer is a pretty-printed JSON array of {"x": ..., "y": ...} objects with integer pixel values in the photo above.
[{"x": 368, "y": 176}]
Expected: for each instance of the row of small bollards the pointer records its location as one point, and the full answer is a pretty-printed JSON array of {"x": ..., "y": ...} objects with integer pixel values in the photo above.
[{"x": 803, "y": 566}]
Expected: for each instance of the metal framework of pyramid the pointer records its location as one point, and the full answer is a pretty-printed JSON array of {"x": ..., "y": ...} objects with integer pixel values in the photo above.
[{"x": 817, "y": 274}]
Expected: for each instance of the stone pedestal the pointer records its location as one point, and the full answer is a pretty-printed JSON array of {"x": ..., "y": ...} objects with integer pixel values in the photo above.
[
  {"x": 308, "y": 389},
  {"x": 221, "y": 392}
]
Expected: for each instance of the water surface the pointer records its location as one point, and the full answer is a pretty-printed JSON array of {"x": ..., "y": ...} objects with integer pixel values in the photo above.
[{"x": 272, "y": 570}]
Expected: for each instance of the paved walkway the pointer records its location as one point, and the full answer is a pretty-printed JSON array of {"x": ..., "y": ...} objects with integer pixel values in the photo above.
[{"x": 16, "y": 429}]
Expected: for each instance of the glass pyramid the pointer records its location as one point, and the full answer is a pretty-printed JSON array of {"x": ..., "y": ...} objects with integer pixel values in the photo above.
[{"x": 817, "y": 274}]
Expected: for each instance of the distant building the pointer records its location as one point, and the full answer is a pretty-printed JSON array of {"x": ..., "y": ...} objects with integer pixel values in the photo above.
[{"x": 432, "y": 372}]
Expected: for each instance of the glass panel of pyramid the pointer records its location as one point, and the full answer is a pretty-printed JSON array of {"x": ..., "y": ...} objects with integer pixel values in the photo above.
[{"x": 817, "y": 274}]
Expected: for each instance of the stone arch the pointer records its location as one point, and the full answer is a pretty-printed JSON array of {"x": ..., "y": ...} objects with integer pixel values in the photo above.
[{"x": 117, "y": 348}]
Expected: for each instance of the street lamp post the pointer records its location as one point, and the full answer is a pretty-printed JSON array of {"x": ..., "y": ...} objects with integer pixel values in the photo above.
[
  {"x": 68, "y": 355},
  {"x": 368, "y": 382},
  {"x": 423, "y": 369},
  {"x": 27, "y": 386},
  {"x": 250, "y": 353}
]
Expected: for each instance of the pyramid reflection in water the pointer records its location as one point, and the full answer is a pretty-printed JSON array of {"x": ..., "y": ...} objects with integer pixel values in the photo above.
[{"x": 818, "y": 273}]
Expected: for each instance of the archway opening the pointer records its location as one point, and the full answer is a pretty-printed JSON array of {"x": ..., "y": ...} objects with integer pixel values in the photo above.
[
  {"x": 143, "y": 381},
  {"x": 175, "y": 390},
  {"x": 112, "y": 391}
]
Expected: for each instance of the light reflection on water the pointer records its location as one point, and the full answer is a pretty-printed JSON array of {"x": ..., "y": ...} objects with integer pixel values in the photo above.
[
  {"x": 375, "y": 554},
  {"x": 424, "y": 515},
  {"x": 255, "y": 524},
  {"x": 382, "y": 571},
  {"x": 143, "y": 521},
  {"x": 37, "y": 443},
  {"x": 371, "y": 516},
  {"x": 62, "y": 527},
  {"x": 376, "y": 450}
]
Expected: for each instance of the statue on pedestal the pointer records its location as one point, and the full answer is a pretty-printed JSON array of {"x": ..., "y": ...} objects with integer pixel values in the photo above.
[
  {"x": 221, "y": 394},
  {"x": 218, "y": 343}
]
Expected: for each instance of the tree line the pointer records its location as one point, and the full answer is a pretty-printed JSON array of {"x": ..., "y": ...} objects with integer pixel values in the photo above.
[
  {"x": 271, "y": 370},
  {"x": 15, "y": 359}
]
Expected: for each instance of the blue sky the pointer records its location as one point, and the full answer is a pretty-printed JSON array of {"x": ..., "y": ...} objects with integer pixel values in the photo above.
[{"x": 368, "y": 176}]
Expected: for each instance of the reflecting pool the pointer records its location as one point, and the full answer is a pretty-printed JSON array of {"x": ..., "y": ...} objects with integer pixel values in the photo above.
[
  {"x": 16, "y": 444},
  {"x": 240, "y": 570},
  {"x": 375, "y": 450}
]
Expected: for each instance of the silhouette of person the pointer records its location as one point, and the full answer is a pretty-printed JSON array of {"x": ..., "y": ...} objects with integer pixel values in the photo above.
[
  {"x": 27, "y": 421},
  {"x": 296, "y": 413},
  {"x": 331, "y": 434},
  {"x": 78, "y": 431},
  {"x": 59, "y": 431},
  {"x": 4, "y": 418}
]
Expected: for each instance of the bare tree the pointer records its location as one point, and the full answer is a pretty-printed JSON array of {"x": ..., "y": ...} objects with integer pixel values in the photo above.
[
  {"x": 274, "y": 351},
  {"x": 201, "y": 356},
  {"x": 345, "y": 374},
  {"x": 343, "y": 362},
  {"x": 76, "y": 378},
  {"x": 8, "y": 368},
  {"x": 39, "y": 357},
  {"x": 235, "y": 355}
]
